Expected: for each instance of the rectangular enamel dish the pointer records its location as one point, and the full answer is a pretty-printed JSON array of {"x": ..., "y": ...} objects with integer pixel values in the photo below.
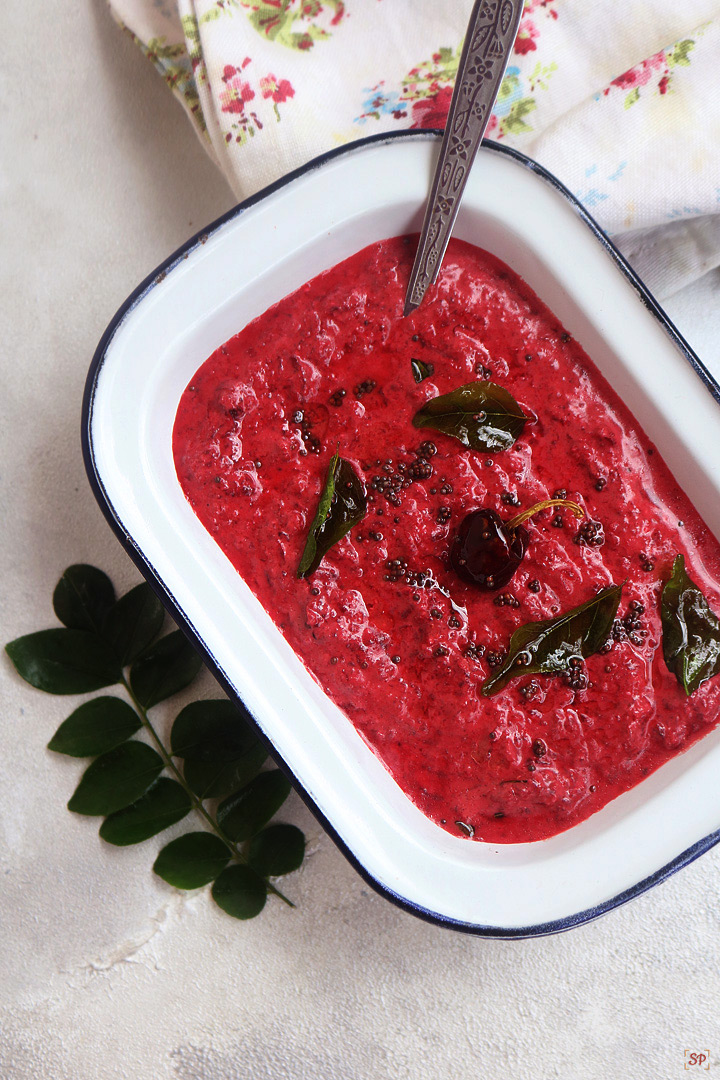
[{"x": 203, "y": 295}]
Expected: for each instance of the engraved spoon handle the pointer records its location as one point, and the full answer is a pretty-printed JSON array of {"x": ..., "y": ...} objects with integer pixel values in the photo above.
[{"x": 489, "y": 40}]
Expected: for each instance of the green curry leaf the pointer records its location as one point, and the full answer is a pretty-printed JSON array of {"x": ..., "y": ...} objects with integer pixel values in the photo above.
[
  {"x": 116, "y": 779},
  {"x": 61, "y": 661},
  {"x": 221, "y": 752},
  {"x": 133, "y": 623},
  {"x": 164, "y": 803},
  {"x": 164, "y": 669},
  {"x": 240, "y": 892},
  {"x": 279, "y": 849},
  {"x": 82, "y": 598},
  {"x": 192, "y": 860},
  {"x": 95, "y": 727},
  {"x": 244, "y": 814}
]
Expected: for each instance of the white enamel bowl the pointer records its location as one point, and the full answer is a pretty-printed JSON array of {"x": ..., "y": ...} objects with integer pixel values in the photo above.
[{"x": 203, "y": 295}]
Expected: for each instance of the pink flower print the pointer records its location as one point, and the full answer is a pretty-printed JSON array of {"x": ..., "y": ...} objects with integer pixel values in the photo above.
[
  {"x": 432, "y": 112},
  {"x": 312, "y": 8},
  {"x": 527, "y": 35},
  {"x": 641, "y": 74},
  {"x": 278, "y": 90},
  {"x": 237, "y": 90}
]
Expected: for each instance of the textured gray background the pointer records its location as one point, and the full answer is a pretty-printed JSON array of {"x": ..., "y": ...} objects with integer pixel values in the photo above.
[{"x": 104, "y": 971}]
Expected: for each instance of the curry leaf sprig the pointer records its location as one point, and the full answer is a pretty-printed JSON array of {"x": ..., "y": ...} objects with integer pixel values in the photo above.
[{"x": 139, "y": 787}]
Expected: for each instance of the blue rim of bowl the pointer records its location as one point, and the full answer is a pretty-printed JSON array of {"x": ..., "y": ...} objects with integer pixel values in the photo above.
[{"x": 153, "y": 578}]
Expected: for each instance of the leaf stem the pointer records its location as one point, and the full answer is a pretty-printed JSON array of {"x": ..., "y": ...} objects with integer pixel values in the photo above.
[
  {"x": 531, "y": 511},
  {"x": 196, "y": 801}
]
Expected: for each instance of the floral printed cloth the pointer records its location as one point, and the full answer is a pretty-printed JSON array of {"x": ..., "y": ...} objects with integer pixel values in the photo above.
[{"x": 619, "y": 98}]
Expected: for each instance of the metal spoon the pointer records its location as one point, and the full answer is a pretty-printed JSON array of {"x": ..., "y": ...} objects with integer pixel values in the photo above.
[{"x": 489, "y": 40}]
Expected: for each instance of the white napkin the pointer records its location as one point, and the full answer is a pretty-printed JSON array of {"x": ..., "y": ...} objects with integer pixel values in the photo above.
[{"x": 619, "y": 98}]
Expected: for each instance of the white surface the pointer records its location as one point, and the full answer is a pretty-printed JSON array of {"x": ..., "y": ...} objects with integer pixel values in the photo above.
[
  {"x": 104, "y": 971},
  {"x": 199, "y": 304}
]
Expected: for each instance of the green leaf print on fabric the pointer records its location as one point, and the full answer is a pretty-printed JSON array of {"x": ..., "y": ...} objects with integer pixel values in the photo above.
[
  {"x": 177, "y": 68},
  {"x": 191, "y": 30},
  {"x": 220, "y": 8},
  {"x": 297, "y": 24},
  {"x": 517, "y": 99},
  {"x": 514, "y": 122},
  {"x": 679, "y": 55},
  {"x": 540, "y": 76}
]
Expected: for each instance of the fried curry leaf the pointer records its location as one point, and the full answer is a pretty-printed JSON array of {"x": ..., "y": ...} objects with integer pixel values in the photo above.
[
  {"x": 342, "y": 505},
  {"x": 421, "y": 370},
  {"x": 547, "y": 647},
  {"x": 691, "y": 631},
  {"x": 481, "y": 415}
]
